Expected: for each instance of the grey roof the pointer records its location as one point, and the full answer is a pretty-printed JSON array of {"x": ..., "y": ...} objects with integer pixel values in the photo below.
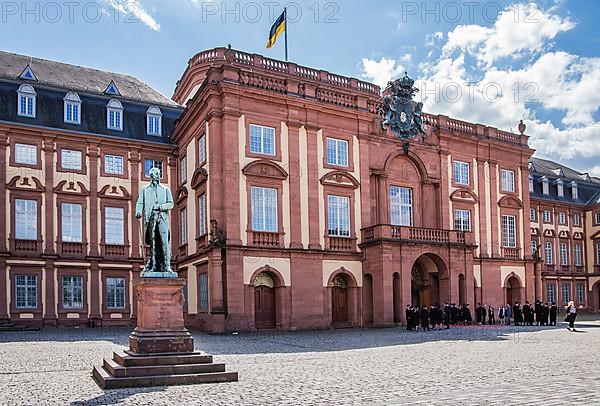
[
  {"x": 79, "y": 79},
  {"x": 553, "y": 170}
]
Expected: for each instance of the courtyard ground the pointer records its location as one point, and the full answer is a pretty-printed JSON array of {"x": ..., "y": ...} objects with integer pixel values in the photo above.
[{"x": 463, "y": 365}]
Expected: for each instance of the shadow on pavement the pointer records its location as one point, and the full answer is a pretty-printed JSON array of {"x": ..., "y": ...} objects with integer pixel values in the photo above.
[{"x": 113, "y": 397}]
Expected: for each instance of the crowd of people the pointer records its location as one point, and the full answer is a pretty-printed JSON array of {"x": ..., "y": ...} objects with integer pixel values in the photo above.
[{"x": 541, "y": 314}]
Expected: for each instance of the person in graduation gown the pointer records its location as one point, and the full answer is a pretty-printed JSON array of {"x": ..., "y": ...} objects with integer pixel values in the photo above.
[{"x": 553, "y": 311}]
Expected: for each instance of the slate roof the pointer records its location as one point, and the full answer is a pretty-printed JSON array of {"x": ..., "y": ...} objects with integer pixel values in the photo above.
[{"x": 79, "y": 79}]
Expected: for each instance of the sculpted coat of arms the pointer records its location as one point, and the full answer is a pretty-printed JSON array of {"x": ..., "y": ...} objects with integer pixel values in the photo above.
[{"x": 400, "y": 112}]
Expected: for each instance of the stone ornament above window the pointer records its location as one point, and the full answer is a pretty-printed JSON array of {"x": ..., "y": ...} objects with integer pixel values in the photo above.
[{"x": 264, "y": 279}]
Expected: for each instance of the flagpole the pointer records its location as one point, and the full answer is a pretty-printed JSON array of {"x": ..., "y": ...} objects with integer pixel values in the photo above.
[{"x": 286, "y": 30}]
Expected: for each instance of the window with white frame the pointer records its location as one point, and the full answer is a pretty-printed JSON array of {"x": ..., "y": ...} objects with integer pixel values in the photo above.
[
  {"x": 263, "y": 204},
  {"x": 533, "y": 247},
  {"x": 545, "y": 186},
  {"x": 462, "y": 220},
  {"x": 202, "y": 149},
  {"x": 530, "y": 184},
  {"x": 114, "y": 164},
  {"x": 26, "y": 101},
  {"x": 72, "y": 292},
  {"x": 574, "y": 191},
  {"x": 71, "y": 222},
  {"x": 509, "y": 231},
  {"x": 183, "y": 169},
  {"x": 580, "y": 288},
  {"x": 152, "y": 163},
  {"x": 562, "y": 218},
  {"x": 461, "y": 173},
  {"x": 401, "y": 206},
  {"x": 26, "y": 220},
  {"x": 566, "y": 292},
  {"x": 154, "y": 121},
  {"x": 115, "y": 293},
  {"x": 576, "y": 219},
  {"x": 598, "y": 253},
  {"x": 547, "y": 216},
  {"x": 26, "y": 293},
  {"x": 203, "y": 291},
  {"x": 337, "y": 152},
  {"x": 551, "y": 293},
  {"x": 597, "y": 217},
  {"x": 26, "y": 154},
  {"x": 532, "y": 214},
  {"x": 578, "y": 255},
  {"x": 549, "y": 255},
  {"x": 262, "y": 139},
  {"x": 564, "y": 253},
  {"x": 70, "y": 159},
  {"x": 560, "y": 188},
  {"x": 114, "y": 115},
  {"x": 338, "y": 216},
  {"x": 202, "y": 229},
  {"x": 114, "y": 225},
  {"x": 508, "y": 180},
  {"x": 183, "y": 225},
  {"x": 72, "y": 108}
]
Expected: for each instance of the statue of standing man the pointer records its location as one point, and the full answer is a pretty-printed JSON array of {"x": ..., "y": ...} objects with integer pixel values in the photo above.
[{"x": 153, "y": 204}]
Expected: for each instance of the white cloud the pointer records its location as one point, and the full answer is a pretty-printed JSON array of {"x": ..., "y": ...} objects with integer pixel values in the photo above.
[
  {"x": 135, "y": 8},
  {"x": 380, "y": 72}
]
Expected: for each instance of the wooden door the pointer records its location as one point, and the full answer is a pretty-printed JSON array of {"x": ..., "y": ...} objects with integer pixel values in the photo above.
[
  {"x": 509, "y": 296},
  {"x": 339, "y": 304},
  {"x": 264, "y": 307}
]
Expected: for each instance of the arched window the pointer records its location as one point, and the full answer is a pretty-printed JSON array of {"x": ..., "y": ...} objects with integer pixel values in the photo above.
[
  {"x": 26, "y": 101},
  {"x": 114, "y": 115},
  {"x": 72, "y": 109},
  {"x": 154, "y": 121}
]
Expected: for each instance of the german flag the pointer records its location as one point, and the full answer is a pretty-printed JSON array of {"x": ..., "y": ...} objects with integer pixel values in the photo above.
[{"x": 277, "y": 28}]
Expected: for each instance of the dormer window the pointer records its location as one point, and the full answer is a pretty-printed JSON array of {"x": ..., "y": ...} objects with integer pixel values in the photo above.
[
  {"x": 530, "y": 184},
  {"x": 574, "y": 191},
  {"x": 545, "y": 186},
  {"x": 561, "y": 188},
  {"x": 26, "y": 101},
  {"x": 114, "y": 115},
  {"x": 154, "y": 121},
  {"x": 72, "y": 108}
]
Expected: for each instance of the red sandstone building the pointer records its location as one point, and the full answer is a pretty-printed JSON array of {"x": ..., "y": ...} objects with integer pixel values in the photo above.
[{"x": 294, "y": 209}]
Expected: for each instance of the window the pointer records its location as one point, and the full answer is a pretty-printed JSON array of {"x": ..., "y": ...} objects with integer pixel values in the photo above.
[
  {"x": 338, "y": 215},
  {"x": 203, "y": 291},
  {"x": 545, "y": 186},
  {"x": 566, "y": 292},
  {"x": 114, "y": 115},
  {"x": 548, "y": 252},
  {"x": 560, "y": 187},
  {"x": 578, "y": 255},
  {"x": 25, "y": 154},
  {"x": 530, "y": 184},
  {"x": 508, "y": 180},
  {"x": 113, "y": 164},
  {"x": 183, "y": 222},
  {"x": 509, "y": 231},
  {"x": 114, "y": 225},
  {"x": 154, "y": 121},
  {"x": 263, "y": 202},
  {"x": 70, "y": 159},
  {"x": 202, "y": 214},
  {"x": 72, "y": 292},
  {"x": 564, "y": 256},
  {"x": 533, "y": 247},
  {"x": 401, "y": 206},
  {"x": 26, "y": 291},
  {"x": 202, "y": 149},
  {"x": 580, "y": 293},
  {"x": 115, "y": 293},
  {"x": 547, "y": 216},
  {"x": 598, "y": 253},
  {"x": 462, "y": 220},
  {"x": 532, "y": 214},
  {"x": 597, "y": 218},
  {"x": 26, "y": 221},
  {"x": 461, "y": 173},
  {"x": 183, "y": 169},
  {"x": 337, "y": 152},
  {"x": 574, "y": 191},
  {"x": 149, "y": 164},
  {"x": 26, "y": 101},
  {"x": 562, "y": 218},
  {"x": 576, "y": 220},
  {"x": 72, "y": 108},
  {"x": 551, "y": 293},
  {"x": 262, "y": 140},
  {"x": 71, "y": 222}
]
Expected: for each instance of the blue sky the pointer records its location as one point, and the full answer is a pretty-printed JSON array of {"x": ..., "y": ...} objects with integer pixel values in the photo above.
[{"x": 543, "y": 57}]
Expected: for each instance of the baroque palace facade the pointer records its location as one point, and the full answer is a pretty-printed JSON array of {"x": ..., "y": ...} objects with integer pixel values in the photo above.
[{"x": 294, "y": 209}]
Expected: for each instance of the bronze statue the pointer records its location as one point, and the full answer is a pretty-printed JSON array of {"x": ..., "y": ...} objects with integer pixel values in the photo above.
[{"x": 154, "y": 203}]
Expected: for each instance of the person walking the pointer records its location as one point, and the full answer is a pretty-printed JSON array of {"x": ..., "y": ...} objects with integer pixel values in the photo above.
[
  {"x": 491, "y": 315},
  {"x": 553, "y": 310},
  {"x": 501, "y": 314},
  {"x": 571, "y": 316},
  {"x": 508, "y": 313}
]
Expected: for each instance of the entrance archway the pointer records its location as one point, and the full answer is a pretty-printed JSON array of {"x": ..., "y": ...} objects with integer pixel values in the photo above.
[
  {"x": 594, "y": 298},
  {"x": 264, "y": 301},
  {"x": 339, "y": 300},
  {"x": 513, "y": 290},
  {"x": 426, "y": 273}
]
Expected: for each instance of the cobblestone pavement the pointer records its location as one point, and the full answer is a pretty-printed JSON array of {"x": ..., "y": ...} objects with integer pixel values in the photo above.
[{"x": 463, "y": 365}]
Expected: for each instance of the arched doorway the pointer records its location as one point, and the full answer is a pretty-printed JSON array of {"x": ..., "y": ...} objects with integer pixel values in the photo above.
[
  {"x": 264, "y": 301},
  {"x": 368, "y": 299},
  {"x": 513, "y": 290},
  {"x": 396, "y": 295},
  {"x": 461, "y": 289},
  {"x": 426, "y": 273},
  {"x": 339, "y": 300}
]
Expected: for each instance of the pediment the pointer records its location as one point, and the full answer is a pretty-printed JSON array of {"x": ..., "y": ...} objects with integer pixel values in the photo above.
[
  {"x": 265, "y": 169},
  {"x": 464, "y": 195},
  {"x": 114, "y": 192},
  {"x": 25, "y": 183},
  {"x": 66, "y": 187},
  {"x": 595, "y": 235},
  {"x": 535, "y": 231},
  {"x": 200, "y": 176},
  {"x": 563, "y": 234},
  {"x": 339, "y": 178},
  {"x": 578, "y": 235},
  {"x": 181, "y": 195},
  {"x": 549, "y": 233},
  {"x": 510, "y": 202}
]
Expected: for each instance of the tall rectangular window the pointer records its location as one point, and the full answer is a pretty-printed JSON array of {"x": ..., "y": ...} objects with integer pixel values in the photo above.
[
  {"x": 509, "y": 231},
  {"x": 508, "y": 180},
  {"x": 578, "y": 255},
  {"x": 115, "y": 293},
  {"x": 548, "y": 253},
  {"x": 401, "y": 206},
  {"x": 532, "y": 214},
  {"x": 547, "y": 216},
  {"x": 597, "y": 218},
  {"x": 152, "y": 163},
  {"x": 551, "y": 293},
  {"x": 70, "y": 159},
  {"x": 562, "y": 218},
  {"x": 533, "y": 246},
  {"x": 72, "y": 112},
  {"x": 576, "y": 219},
  {"x": 566, "y": 292},
  {"x": 183, "y": 169},
  {"x": 113, "y": 164},
  {"x": 26, "y": 221},
  {"x": 202, "y": 149},
  {"x": 202, "y": 229},
  {"x": 580, "y": 287},
  {"x": 264, "y": 209},
  {"x": 26, "y": 291},
  {"x": 337, "y": 152},
  {"x": 114, "y": 119},
  {"x": 154, "y": 124},
  {"x": 462, "y": 220},
  {"x": 545, "y": 186},
  {"x": 183, "y": 225},
  {"x": 262, "y": 140},
  {"x": 71, "y": 222},
  {"x": 338, "y": 216},
  {"x": 564, "y": 254},
  {"x": 597, "y": 253},
  {"x": 114, "y": 225},
  {"x": 461, "y": 173},
  {"x": 203, "y": 291},
  {"x": 26, "y": 105},
  {"x": 25, "y": 154},
  {"x": 72, "y": 292},
  {"x": 560, "y": 188}
]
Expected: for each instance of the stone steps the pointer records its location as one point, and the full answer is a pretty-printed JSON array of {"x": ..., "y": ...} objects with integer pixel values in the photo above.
[
  {"x": 127, "y": 360},
  {"x": 120, "y": 371}
]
